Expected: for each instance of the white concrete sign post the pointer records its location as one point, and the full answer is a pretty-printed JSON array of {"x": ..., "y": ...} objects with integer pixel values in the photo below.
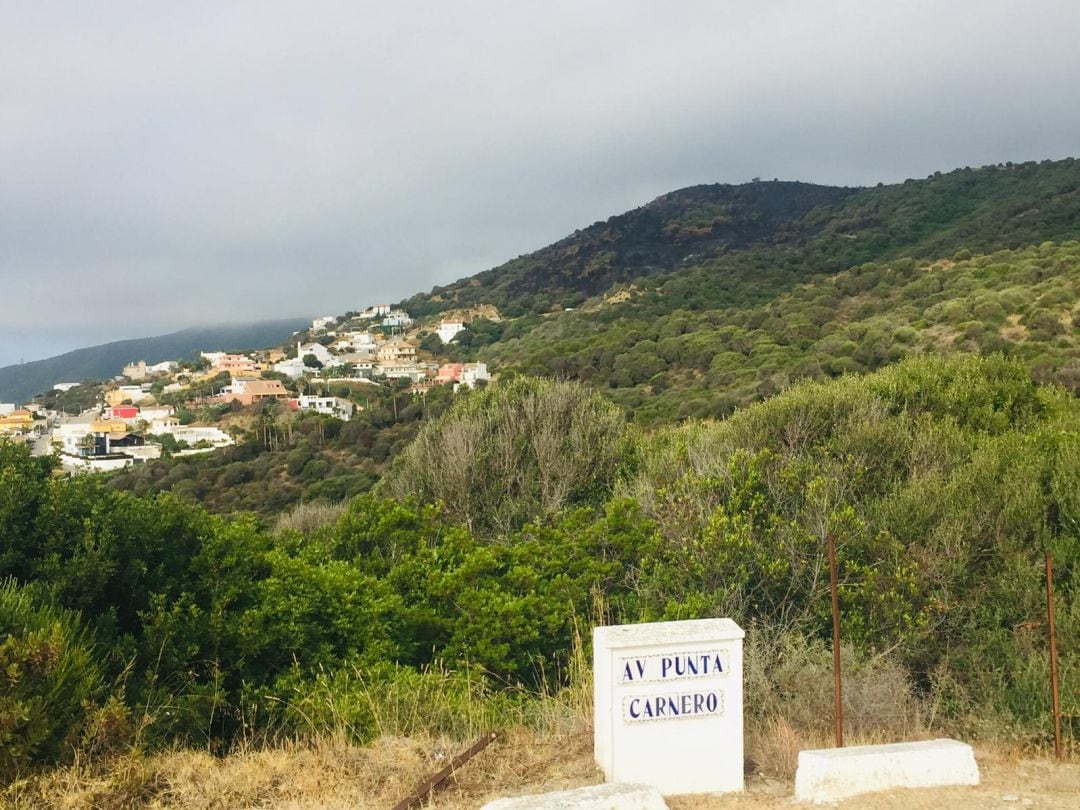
[{"x": 668, "y": 699}]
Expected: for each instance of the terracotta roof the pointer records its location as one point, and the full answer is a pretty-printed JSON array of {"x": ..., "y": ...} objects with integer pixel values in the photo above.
[{"x": 263, "y": 387}]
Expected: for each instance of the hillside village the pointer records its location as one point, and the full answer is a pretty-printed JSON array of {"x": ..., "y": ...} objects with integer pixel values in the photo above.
[{"x": 178, "y": 407}]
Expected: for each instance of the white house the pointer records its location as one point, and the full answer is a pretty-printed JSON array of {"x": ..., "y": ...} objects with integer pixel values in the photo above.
[
  {"x": 355, "y": 341},
  {"x": 7, "y": 407},
  {"x": 396, "y": 318},
  {"x": 361, "y": 363},
  {"x": 329, "y": 406},
  {"x": 358, "y": 339},
  {"x": 319, "y": 324},
  {"x": 193, "y": 435},
  {"x": 376, "y": 311},
  {"x": 133, "y": 393},
  {"x": 294, "y": 369},
  {"x": 64, "y": 387},
  {"x": 322, "y": 354},
  {"x": 448, "y": 330},
  {"x": 71, "y": 435},
  {"x": 472, "y": 373},
  {"x": 395, "y": 369}
]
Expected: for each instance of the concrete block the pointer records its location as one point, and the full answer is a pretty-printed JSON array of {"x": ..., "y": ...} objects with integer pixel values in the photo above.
[
  {"x": 613, "y": 796},
  {"x": 831, "y": 774},
  {"x": 668, "y": 701}
]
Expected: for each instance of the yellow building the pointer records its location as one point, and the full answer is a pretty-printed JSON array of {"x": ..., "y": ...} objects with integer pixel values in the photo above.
[
  {"x": 109, "y": 426},
  {"x": 126, "y": 393},
  {"x": 17, "y": 421}
]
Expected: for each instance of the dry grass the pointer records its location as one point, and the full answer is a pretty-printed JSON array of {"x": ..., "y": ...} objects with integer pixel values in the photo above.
[
  {"x": 308, "y": 518},
  {"x": 322, "y": 773},
  {"x": 1015, "y": 331},
  {"x": 548, "y": 747},
  {"x": 329, "y": 774},
  {"x": 789, "y": 700}
]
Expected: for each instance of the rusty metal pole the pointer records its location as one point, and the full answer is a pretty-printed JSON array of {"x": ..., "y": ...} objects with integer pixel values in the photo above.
[
  {"x": 838, "y": 708},
  {"x": 1055, "y": 700},
  {"x": 428, "y": 786}
]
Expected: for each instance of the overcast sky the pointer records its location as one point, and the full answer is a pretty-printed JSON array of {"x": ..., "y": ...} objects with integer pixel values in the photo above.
[{"x": 171, "y": 164}]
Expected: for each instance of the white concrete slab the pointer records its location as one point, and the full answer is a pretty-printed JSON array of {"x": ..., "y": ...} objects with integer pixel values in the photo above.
[
  {"x": 668, "y": 702},
  {"x": 831, "y": 774},
  {"x": 614, "y": 796}
]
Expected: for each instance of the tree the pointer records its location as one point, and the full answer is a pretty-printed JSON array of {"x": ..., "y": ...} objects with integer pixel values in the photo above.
[
  {"x": 514, "y": 453},
  {"x": 311, "y": 361},
  {"x": 431, "y": 342}
]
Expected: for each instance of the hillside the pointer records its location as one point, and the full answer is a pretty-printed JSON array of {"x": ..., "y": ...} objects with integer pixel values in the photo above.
[
  {"x": 973, "y": 261},
  {"x": 737, "y": 327},
  {"x": 21, "y": 382},
  {"x": 676, "y": 228},
  {"x": 664, "y": 362},
  {"x": 810, "y": 229}
]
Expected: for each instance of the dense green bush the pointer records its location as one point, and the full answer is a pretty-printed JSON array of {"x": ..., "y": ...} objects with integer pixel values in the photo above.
[
  {"x": 49, "y": 679},
  {"x": 513, "y": 453},
  {"x": 734, "y": 345},
  {"x": 943, "y": 481}
]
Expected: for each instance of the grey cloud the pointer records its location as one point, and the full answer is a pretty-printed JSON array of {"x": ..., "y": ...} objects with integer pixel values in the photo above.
[{"x": 270, "y": 158}]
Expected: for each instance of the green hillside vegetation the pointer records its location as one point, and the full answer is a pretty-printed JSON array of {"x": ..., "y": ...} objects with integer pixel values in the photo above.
[
  {"x": 663, "y": 360},
  {"x": 672, "y": 229},
  {"x": 799, "y": 282},
  {"x": 765, "y": 236},
  {"x": 943, "y": 480},
  {"x": 283, "y": 458},
  {"x": 21, "y": 382}
]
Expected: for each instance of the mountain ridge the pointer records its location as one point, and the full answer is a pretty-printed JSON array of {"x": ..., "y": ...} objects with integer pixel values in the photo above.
[
  {"x": 648, "y": 240},
  {"x": 20, "y": 382},
  {"x": 987, "y": 208}
]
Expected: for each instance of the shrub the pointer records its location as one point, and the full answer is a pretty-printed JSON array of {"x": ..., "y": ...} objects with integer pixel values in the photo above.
[
  {"x": 359, "y": 704},
  {"x": 308, "y": 518},
  {"x": 512, "y": 453},
  {"x": 48, "y": 679}
]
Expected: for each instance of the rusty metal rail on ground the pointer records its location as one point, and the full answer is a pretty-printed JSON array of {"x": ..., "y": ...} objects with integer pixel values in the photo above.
[{"x": 428, "y": 786}]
